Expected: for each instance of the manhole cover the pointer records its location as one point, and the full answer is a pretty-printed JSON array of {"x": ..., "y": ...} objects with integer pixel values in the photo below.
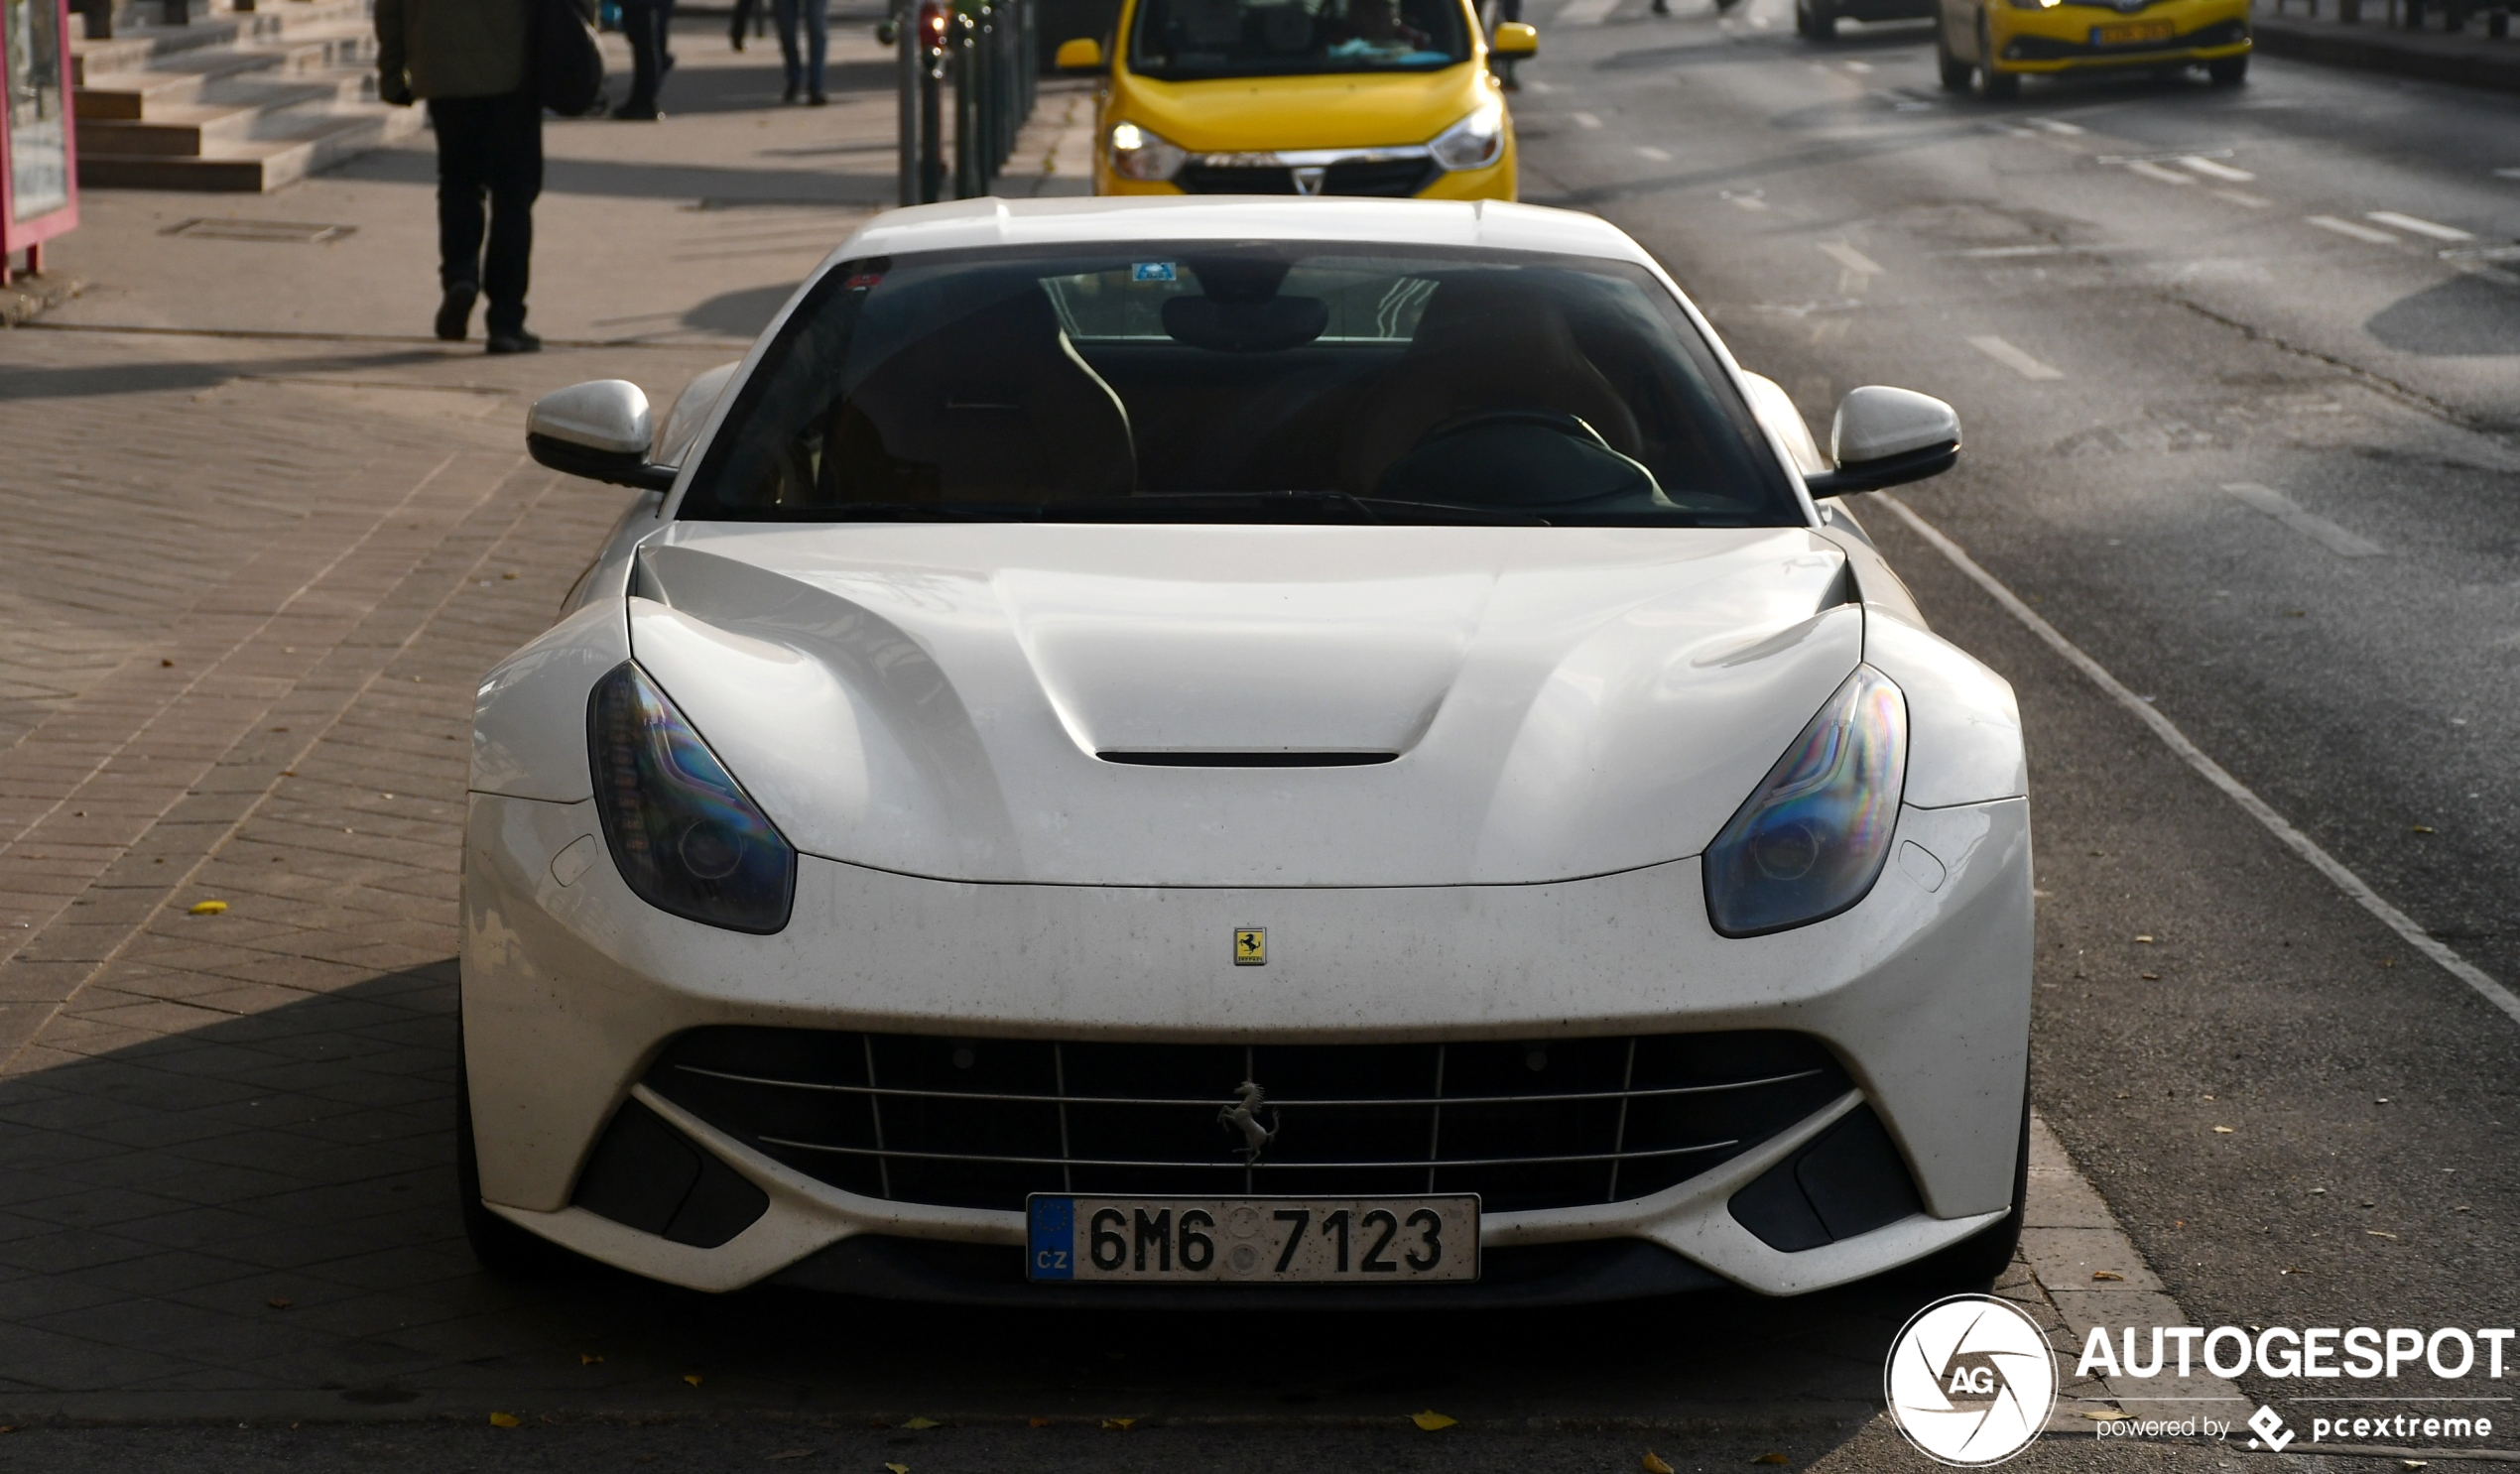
[{"x": 275, "y": 233}]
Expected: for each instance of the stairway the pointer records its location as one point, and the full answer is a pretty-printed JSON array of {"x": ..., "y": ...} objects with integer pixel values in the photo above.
[{"x": 241, "y": 99}]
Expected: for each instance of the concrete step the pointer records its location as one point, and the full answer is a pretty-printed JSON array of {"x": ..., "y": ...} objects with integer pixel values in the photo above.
[
  {"x": 189, "y": 76},
  {"x": 143, "y": 41},
  {"x": 258, "y": 164},
  {"x": 268, "y": 111}
]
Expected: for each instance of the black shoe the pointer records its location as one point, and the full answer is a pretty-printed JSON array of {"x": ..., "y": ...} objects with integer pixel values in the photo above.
[
  {"x": 454, "y": 312},
  {"x": 737, "y": 35},
  {"x": 816, "y": 99},
  {"x": 516, "y": 341},
  {"x": 628, "y": 114},
  {"x": 789, "y": 95}
]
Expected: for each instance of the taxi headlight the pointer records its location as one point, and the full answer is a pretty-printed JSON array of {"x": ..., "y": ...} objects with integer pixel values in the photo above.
[
  {"x": 2036, "y": 4},
  {"x": 1812, "y": 840},
  {"x": 1475, "y": 142},
  {"x": 1137, "y": 153},
  {"x": 685, "y": 834}
]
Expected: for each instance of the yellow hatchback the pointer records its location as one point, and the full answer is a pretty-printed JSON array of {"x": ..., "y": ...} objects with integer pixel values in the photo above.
[
  {"x": 2002, "y": 41},
  {"x": 1387, "y": 97}
]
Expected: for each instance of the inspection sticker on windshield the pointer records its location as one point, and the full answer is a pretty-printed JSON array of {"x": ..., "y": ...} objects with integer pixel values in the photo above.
[
  {"x": 1254, "y": 1240},
  {"x": 1151, "y": 271}
]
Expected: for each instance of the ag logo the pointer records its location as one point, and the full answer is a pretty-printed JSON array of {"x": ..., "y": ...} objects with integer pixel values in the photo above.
[{"x": 1970, "y": 1380}]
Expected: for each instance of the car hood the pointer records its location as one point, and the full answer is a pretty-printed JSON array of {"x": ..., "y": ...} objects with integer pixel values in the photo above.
[
  {"x": 1558, "y": 702},
  {"x": 1333, "y": 111}
]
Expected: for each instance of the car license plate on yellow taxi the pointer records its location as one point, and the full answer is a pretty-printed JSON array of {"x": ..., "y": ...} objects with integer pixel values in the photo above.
[
  {"x": 2133, "y": 33},
  {"x": 1253, "y": 1240}
]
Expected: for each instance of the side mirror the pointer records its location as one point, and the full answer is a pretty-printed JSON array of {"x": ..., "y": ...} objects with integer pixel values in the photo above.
[
  {"x": 1885, "y": 437},
  {"x": 1085, "y": 53},
  {"x": 1514, "y": 39},
  {"x": 599, "y": 431}
]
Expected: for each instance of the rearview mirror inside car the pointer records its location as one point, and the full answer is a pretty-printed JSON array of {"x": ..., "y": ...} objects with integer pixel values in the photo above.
[
  {"x": 1884, "y": 437},
  {"x": 1085, "y": 53},
  {"x": 599, "y": 431},
  {"x": 1515, "y": 39}
]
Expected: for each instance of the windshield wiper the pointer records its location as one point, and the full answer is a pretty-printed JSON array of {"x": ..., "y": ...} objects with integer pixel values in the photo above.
[{"x": 1367, "y": 508}]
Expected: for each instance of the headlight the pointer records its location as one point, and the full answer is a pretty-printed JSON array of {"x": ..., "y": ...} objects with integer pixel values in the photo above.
[
  {"x": 2036, "y": 4},
  {"x": 681, "y": 829},
  {"x": 1139, "y": 155},
  {"x": 1475, "y": 142},
  {"x": 1813, "y": 838}
]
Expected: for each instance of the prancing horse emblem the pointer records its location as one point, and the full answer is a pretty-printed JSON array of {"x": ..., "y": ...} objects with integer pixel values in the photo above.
[{"x": 1244, "y": 1116}]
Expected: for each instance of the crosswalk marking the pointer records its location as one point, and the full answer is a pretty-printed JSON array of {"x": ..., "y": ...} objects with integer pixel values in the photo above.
[
  {"x": 1586, "y": 11},
  {"x": 2350, "y": 229},
  {"x": 2419, "y": 226},
  {"x": 2013, "y": 358},
  {"x": 2309, "y": 524},
  {"x": 2215, "y": 170},
  {"x": 1648, "y": 151},
  {"x": 1850, "y": 258},
  {"x": 2151, "y": 171},
  {"x": 1583, "y": 120}
]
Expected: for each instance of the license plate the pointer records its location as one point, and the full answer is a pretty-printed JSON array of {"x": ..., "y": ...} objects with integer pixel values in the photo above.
[
  {"x": 1254, "y": 1240},
  {"x": 2133, "y": 34}
]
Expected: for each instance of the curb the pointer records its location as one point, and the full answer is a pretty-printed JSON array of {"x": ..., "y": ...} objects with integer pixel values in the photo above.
[
  {"x": 29, "y": 298},
  {"x": 2490, "y": 65}
]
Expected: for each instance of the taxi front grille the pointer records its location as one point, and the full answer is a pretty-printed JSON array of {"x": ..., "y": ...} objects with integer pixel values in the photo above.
[
  {"x": 1393, "y": 178},
  {"x": 980, "y": 1123}
]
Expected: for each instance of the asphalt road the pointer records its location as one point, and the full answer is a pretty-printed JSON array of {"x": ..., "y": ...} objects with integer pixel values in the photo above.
[{"x": 2139, "y": 294}]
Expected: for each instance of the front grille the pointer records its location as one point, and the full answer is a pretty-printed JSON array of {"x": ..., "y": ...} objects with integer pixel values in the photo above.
[
  {"x": 2052, "y": 48},
  {"x": 1395, "y": 178},
  {"x": 982, "y": 1121}
]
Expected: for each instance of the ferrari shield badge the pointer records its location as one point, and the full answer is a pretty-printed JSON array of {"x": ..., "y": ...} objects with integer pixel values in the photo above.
[{"x": 1251, "y": 946}]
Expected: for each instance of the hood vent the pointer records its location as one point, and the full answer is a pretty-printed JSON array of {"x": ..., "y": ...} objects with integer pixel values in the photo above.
[{"x": 1248, "y": 759}]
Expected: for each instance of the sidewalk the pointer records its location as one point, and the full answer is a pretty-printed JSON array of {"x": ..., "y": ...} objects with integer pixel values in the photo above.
[
  {"x": 690, "y": 230},
  {"x": 2470, "y": 58}
]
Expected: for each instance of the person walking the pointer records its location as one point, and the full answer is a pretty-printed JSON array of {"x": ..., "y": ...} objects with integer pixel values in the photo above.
[
  {"x": 469, "y": 60},
  {"x": 817, "y": 16},
  {"x": 650, "y": 26}
]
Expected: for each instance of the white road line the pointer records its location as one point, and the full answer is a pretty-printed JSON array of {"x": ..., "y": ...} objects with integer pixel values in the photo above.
[
  {"x": 2242, "y": 197},
  {"x": 1585, "y": 120},
  {"x": 2151, "y": 171},
  {"x": 1850, "y": 258},
  {"x": 2013, "y": 358},
  {"x": 2299, "y": 519},
  {"x": 2052, "y": 126},
  {"x": 1647, "y": 150},
  {"x": 1860, "y": 69},
  {"x": 1749, "y": 202},
  {"x": 2348, "y": 228},
  {"x": 2212, "y": 771},
  {"x": 2508, "y": 173},
  {"x": 2000, "y": 253},
  {"x": 2420, "y": 227},
  {"x": 2216, "y": 170},
  {"x": 1538, "y": 86},
  {"x": 1586, "y": 11}
]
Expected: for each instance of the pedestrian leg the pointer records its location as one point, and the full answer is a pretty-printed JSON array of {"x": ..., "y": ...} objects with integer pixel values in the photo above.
[
  {"x": 643, "y": 24},
  {"x": 785, "y": 12},
  {"x": 515, "y": 182},
  {"x": 818, "y": 35},
  {"x": 462, "y": 177}
]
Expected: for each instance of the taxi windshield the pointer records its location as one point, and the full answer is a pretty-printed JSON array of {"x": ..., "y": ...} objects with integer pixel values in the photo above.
[
  {"x": 1185, "y": 39},
  {"x": 1241, "y": 382}
]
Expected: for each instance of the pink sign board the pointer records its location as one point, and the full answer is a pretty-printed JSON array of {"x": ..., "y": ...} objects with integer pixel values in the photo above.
[{"x": 39, "y": 159}]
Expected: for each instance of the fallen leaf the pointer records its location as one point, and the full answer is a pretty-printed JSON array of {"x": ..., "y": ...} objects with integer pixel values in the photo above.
[
  {"x": 278, "y": 1304},
  {"x": 589, "y": 1359},
  {"x": 1119, "y": 1425},
  {"x": 507, "y": 575},
  {"x": 2107, "y": 1414},
  {"x": 921, "y": 1424},
  {"x": 2143, "y": 939},
  {"x": 2292, "y": 1271},
  {"x": 2107, "y": 1275},
  {"x": 2150, "y": 977},
  {"x": 504, "y": 1419},
  {"x": 2423, "y": 829},
  {"x": 783, "y": 1454},
  {"x": 2222, "y": 1130},
  {"x": 162, "y": 665},
  {"x": 898, "y": 1468},
  {"x": 1654, "y": 1465},
  {"x": 692, "y": 1378},
  {"x": 1039, "y": 1423},
  {"x": 2413, "y": 1464},
  {"x": 1431, "y": 1420},
  {"x": 2377, "y": 1234},
  {"x": 2462, "y": 1208},
  {"x": 1771, "y": 1458},
  {"x": 205, "y": 907}
]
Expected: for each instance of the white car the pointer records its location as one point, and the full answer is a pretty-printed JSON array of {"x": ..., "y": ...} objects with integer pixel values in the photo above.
[{"x": 1334, "y": 752}]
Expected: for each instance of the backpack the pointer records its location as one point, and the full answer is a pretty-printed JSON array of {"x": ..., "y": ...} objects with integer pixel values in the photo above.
[{"x": 569, "y": 69}]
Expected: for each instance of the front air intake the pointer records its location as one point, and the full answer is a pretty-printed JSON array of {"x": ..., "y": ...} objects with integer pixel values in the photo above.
[{"x": 1248, "y": 759}]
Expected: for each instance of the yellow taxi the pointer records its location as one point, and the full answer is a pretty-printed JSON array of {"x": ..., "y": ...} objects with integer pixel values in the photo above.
[
  {"x": 1387, "y": 97},
  {"x": 2001, "y": 40}
]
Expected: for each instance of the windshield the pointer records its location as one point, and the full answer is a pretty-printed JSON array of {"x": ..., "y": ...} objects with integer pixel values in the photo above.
[
  {"x": 1241, "y": 382},
  {"x": 1182, "y": 40}
]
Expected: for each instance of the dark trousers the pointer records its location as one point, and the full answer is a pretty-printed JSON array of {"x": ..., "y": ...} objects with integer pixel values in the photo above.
[
  {"x": 650, "y": 29},
  {"x": 488, "y": 148},
  {"x": 817, "y": 18}
]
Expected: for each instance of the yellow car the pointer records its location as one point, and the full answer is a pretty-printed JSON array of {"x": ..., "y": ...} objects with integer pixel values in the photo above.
[
  {"x": 1388, "y": 97},
  {"x": 2001, "y": 40}
]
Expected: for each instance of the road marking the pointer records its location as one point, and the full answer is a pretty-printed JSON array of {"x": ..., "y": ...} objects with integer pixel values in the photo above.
[
  {"x": 1542, "y": 88},
  {"x": 2013, "y": 358},
  {"x": 2420, "y": 227},
  {"x": 1749, "y": 201},
  {"x": 1860, "y": 69},
  {"x": 2214, "y": 170},
  {"x": 2348, "y": 228},
  {"x": 1850, "y": 258},
  {"x": 1999, "y": 253},
  {"x": 1586, "y": 11},
  {"x": 1657, "y": 155},
  {"x": 1585, "y": 120},
  {"x": 2508, "y": 173},
  {"x": 2212, "y": 771},
  {"x": 2299, "y": 519},
  {"x": 2240, "y": 196},
  {"x": 2151, "y": 171},
  {"x": 2052, "y": 126}
]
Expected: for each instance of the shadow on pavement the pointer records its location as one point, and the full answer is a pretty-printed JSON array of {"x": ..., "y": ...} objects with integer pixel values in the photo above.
[{"x": 2463, "y": 316}]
